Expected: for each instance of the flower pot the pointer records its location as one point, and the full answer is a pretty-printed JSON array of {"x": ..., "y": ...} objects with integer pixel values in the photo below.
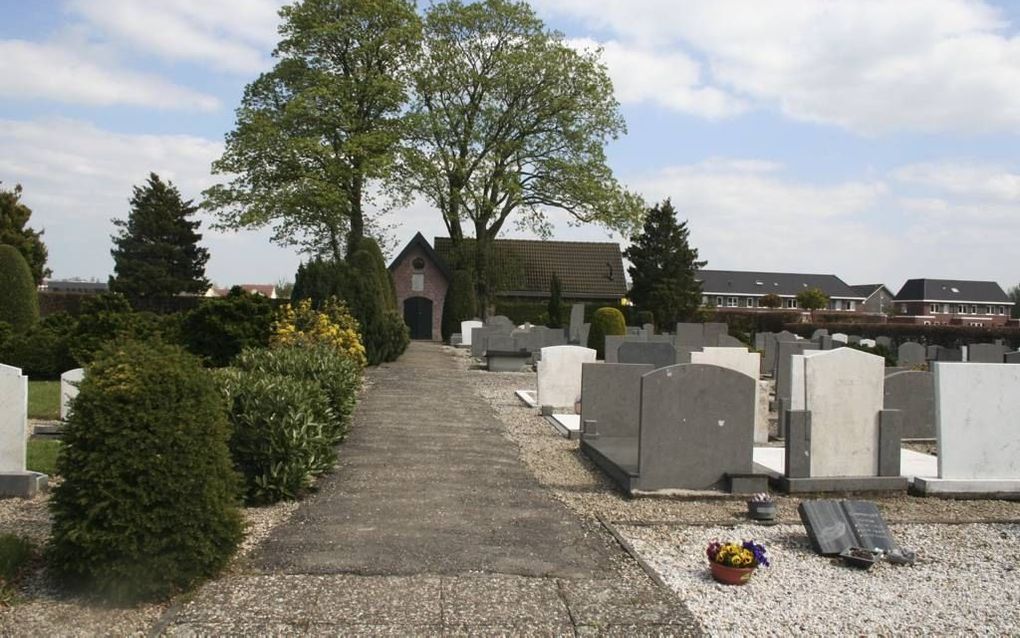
[
  {"x": 731, "y": 575},
  {"x": 761, "y": 510}
]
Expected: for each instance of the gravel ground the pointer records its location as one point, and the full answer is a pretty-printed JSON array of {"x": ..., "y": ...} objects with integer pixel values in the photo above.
[{"x": 964, "y": 582}]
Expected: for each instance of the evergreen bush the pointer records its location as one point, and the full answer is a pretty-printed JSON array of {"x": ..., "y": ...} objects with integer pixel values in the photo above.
[
  {"x": 605, "y": 321},
  {"x": 460, "y": 303},
  {"x": 44, "y": 352},
  {"x": 282, "y": 433},
  {"x": 221, "y": 328},
  {"x": 19, "y": 299},
  {"x": 107, "y": 317},
  {"x": 148, "y": 502},
  {"x": 555, "y": 303}
]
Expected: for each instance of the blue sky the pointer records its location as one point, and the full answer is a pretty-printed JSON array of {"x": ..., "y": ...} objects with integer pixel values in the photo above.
[{"x": 874, "y": 140}]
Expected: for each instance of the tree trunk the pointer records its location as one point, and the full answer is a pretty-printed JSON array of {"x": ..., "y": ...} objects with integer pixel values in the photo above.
[
  {"x": 482, "y": 248},
  {"x": 357, "y": 230}
]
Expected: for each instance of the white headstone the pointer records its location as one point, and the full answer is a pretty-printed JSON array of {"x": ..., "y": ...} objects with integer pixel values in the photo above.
[
  {"x": 559, "y": 375},
  {"x": 748, "y": 363},
  {"x": 465, "y": 331},
  {"x": 840, "y": 337},
  {"x": 69, "y": 390},
  {"x": 13, "y": 419},
  {"x": 868, "y": 343},
  {"x": 977, "y": 410},
  {"x": 844, "y": 391}
]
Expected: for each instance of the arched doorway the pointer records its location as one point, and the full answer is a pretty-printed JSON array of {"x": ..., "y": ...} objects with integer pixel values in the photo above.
[{"x": 418, "y": 317}]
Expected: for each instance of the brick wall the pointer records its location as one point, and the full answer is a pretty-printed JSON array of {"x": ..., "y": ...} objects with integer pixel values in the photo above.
[{"x": 434, "y": 288}]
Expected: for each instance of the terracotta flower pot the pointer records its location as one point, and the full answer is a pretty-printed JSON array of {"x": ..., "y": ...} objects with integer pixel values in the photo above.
[{"x": 731, "y": 575}]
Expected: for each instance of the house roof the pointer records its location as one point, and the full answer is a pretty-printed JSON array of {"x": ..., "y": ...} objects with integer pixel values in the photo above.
[
  {"x": 419, "y": 241},
  {"x": 524, "y": 267},
  {"x": 866, "y": 290},
  {"x": 951, "y": 290},
  {"x": 738, "y": 282}
]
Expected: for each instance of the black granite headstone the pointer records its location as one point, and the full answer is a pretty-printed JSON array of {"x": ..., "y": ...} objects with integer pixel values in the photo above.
[{"x": 833, "y": 526}]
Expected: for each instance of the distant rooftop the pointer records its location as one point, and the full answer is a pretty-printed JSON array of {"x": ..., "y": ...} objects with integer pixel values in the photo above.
[
  {"x": 952, "y": 290},
  {"x": 742, "y": 282}
]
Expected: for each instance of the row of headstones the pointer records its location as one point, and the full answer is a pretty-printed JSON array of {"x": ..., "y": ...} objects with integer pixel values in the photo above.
[
  {"x": 668, "y": 349},
  {"x": 499, "y": 334},
  {"x": 912, "y": 353}
]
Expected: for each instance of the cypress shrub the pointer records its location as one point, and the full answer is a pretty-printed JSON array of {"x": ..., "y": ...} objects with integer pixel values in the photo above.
[
  {"x": 605, "y": 321},
  {"x": 19, "y": 299},
  {"x": 282, "y": 433},
  {"x": 555, "y": 303},
  {"x": 221, "y": 328},
  {"x": 383, "y": 275},
  {"x": 148, "y": 504},
  {"x": 460, "y": 303}
]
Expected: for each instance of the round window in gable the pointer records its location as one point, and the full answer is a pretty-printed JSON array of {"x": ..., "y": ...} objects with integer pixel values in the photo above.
[{"x": 418, "y": 263}]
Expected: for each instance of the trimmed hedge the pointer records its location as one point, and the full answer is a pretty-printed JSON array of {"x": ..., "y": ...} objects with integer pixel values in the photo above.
[
  {"x": 460, "y": 303},
  {"x": 19, "y": 302},
  {"x": 947, "y": 336},
  {"x": 607, "y": 321},
  {"x": 148, "y": 504},
  {"x": 221, "y": 328},
  {"x": 44, "y": 352}
]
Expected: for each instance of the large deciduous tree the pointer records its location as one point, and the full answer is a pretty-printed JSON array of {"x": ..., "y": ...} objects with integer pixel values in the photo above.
[
  {"x": 663, "y": 267},
  {"x": 156, "y": 253},
  {"x": 316, "y": 129},
  {"x": 509, "y": 119},
  {"x": 13, "y": 231}
]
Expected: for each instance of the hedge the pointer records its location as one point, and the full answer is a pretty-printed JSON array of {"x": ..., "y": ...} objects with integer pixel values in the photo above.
[{"x": 947, "y": 336}]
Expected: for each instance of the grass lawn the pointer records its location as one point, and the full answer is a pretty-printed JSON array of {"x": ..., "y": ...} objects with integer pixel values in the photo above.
[
  {"x": 44, "y": 400},
  {"x": 42, "y": 455}
]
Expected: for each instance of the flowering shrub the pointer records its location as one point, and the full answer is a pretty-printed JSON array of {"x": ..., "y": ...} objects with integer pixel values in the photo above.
[
  {"x": 747, "y": 554},
  {"x": 333, "y": 325}
]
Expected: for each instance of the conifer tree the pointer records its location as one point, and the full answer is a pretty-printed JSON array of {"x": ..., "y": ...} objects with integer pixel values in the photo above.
[
  {"x": 13, "y": 232},
  {"x": 663, "y": 267},
  {"x": 156, "y": 254}
]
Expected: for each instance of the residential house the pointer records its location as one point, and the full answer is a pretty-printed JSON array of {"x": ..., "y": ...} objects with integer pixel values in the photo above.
[
  {"x": 952, "y": 302},
  {"x": 877, "y": 298},
  {"x": 74, "y": 286},
  {"x": 745, "y": 289},
  {"x": 266, "y": 290}
]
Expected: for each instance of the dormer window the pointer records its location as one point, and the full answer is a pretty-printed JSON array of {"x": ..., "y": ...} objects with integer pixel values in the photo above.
[{"x": 418, "y": 264}]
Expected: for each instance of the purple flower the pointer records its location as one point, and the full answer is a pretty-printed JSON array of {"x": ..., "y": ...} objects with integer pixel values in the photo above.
[{"x": 759, "y": 553}]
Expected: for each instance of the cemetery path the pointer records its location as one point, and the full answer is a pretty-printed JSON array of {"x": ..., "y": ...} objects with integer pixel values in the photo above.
[{"x": 431, "y": 525}]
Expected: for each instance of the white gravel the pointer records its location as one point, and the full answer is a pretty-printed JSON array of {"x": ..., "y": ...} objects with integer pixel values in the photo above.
[{"x": 965, "y": 581}]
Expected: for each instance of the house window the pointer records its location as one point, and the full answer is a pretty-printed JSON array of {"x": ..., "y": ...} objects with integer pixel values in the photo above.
[
  {"x": 961, "y": 309},
  {"x": 850, "y": 305},
  {"x": 973, "y": 310},
  {"x": 750, "y": 302},
  {"x": 791, "y": 303},
  {"x": 934, "y": 308},
  {"x": 704, "y": 300},
  {"x": 837, "y": 304},
  {"x": 1002, "y": 310},
  {"x": 718, "y": 301},
  {"x": 417, "y": 282},
  {"x": 732, "y": 302}
]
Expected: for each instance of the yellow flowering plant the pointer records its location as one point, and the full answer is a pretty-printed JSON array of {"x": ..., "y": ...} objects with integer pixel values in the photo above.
[
  {"x": 333, "y": 325},
  {"x": 746, "y": 554}
]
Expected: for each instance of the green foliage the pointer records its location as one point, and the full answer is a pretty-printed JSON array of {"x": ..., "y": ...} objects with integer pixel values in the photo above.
[
  {"x": 459, "y": 304},
  {"x": 606, "y": 321},
  {"x": 156, "y": 253},
  {"x": 387, "y": 287},
  {"x": 15, "y": 554},
  {"x": 312, "y": 132},
  {"x": 509, "y": 119},
  {"x": 41, "y": 455},
  {"x": 108, "y": 317},
  {"x": 555, "y": 303},
  {"x": 221, "y": 328},
  {"x": 281, "y": 433},
  {"x": 771, "y": 300},
  {"x": 663, "y": 268},
  {"x": 877, "y": 350},
  {"x": 6, "y": 331},
  {"x": 318, "y": 280},
  {"x": 44, "y": 399},
  {"x": 44, "y": 351},
  {"x": 338, "y": 375},
  {"x": 645, "y": 316},
  {"x": 148, "y": 504},
  {"x": 19, "y": 300},
  {"x": 812, "y": 299},
  {"x": 13, "y": 231}
]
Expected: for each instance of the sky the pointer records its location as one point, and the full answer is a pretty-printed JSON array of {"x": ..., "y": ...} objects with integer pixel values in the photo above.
[{"x": 870, "y": 139}]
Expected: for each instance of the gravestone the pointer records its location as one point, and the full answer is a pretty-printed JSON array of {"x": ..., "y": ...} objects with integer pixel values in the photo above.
[
  {"x": 913, "y": 394},
  {"x": 854, "y": 339},
  {"x": 500, "y": 321},
  {"x": 1013, "y": 357},
  {"x": 884, "y": 341},
  {"x": 648, "y": 328},
  {"x": 836, "y": 405},
  {"x": 15, "y": 479},
  {"x": 834, "y": 526},
  {"x": 976, "y": 425},
  {"x": 69, "y": 390},
  {"x": 500, "y": 343},
  {"x": 465, "y": 330},
  {"x": 910, "y": 354},
  {"x": 759, "y": 341},
  {"x": 658, "y": 355},
  {"x": 559, "y": 375},
  {"x": 576, "y": 321},
  {"x": 784, "y": 358},
  {"x": 726, "y": 341},
  {"x": 771, "y": 350},
  {"x": 585, "y": 332},
  {"x": 819, "y": 333},
  {"x": 825, "y": 342},
  {"x": 745, "y": 362},
  {"x": 986, "y": 353},
  {"x": 690, "y": 334},
  {"x": 949, "y": 354},
  {"x": 713, "y": 333},
  {"x": 868, "y": 343},
  {"x": 841, "y": 337},
  {"x": 611, "y": 398},
  {"x": 931, "y": 353}
]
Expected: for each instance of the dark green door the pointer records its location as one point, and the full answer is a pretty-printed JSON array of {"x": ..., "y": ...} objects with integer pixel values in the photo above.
[{"x": 418, "y": 317}]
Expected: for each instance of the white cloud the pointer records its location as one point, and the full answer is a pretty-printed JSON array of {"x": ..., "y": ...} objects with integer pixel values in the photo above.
[
  {"x": 73, "y": 72},
  {"x": 233, "y": 35},
  {"x": 78, "y": 177},
  {"x": 975, "y": 180},
  {"x": 671, "y": 79},
  {"x": 870, "y": 65}
]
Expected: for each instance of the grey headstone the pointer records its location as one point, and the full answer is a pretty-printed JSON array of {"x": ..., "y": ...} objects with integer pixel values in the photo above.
[
  {"x": 910, "y": 354},
  {"x": 635, "y": 331},
  {"x": 834, "y": 526},
  {"x": 500, "y": 343},
  {"x": 759, "y": 341},
  {"x": 782, "y": 374},
  {"x": 772, "y": 349},
  {"x": 576, "y": 321},
  {"x": 712, "y": 331},
  {"x": 649, "y": 328},
  {"x": 890, "y": 437},
  {"x": 690, "y": 334},
  {"x": 825, "y": 342},
  {"x": 949, "y": 354},
  {"x": 658, "y": 355},
  {"x": 726, "y": 341},
  {"x": 913, "y": 394},
  {"x": 986, "y": 353},
  {"x": 479, "y": 341},
  {"x": 1013, "y": 357},
  {"x": 819, "y": 333},
  {"x": 931, "y": 353},
  {"x": 854, "y": 339},
  {"x": 697, "y": 426},
  {"x": 884, "y": 341},
  {"x": 585, "y": 331},
  {"x": 611, "y": 397},
  {"x": 500, "y": 321}
]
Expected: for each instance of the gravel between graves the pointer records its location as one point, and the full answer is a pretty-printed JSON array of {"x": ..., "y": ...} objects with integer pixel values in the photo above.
[{"x": 963, "y": 582}]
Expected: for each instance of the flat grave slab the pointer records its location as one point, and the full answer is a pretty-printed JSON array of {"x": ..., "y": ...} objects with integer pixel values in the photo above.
[
  {"x": 568, "y": 425},
  {"x": 527, "y": 397},
  {"x": 834, "y": 526},
  {"x": 913, "y": 464}
]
